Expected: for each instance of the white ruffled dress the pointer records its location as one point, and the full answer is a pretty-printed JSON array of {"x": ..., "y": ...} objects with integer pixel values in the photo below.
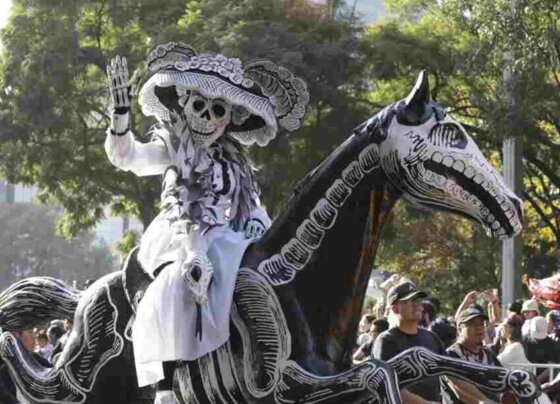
[{"x": 164, "y": 328}]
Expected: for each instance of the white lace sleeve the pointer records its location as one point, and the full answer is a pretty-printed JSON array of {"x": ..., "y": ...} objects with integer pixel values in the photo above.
[{"x": 143, "y": 159}]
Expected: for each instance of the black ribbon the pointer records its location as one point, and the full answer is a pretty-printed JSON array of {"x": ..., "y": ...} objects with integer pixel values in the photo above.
[{"x": 198, "y": 330}]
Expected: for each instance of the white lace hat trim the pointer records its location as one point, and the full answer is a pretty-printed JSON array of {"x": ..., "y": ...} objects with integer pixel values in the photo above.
[{"x": 213, "y": 87}]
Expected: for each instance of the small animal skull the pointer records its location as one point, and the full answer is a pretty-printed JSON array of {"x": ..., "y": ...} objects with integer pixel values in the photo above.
[
  {"x": 206, "y": 118},
  {"x": 197, "y": 273}
]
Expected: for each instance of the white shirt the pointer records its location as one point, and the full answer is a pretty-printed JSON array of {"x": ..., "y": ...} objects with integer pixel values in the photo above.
[{"x": 513, "y": 353}]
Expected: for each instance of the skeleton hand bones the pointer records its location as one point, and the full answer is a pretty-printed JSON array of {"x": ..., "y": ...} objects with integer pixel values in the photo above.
[{"x": 121, "y": 91}]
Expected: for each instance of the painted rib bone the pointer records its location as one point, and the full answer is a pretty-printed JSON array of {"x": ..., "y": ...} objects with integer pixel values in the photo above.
[
  {"x": 258, "y": 316},
  {"x": 370, "y": 381},
  {"x": 36, "y": 300},
  {"x": 281, "y": 268},
  {"x": 30, "y": 378},
  {"x": 418, "y": 363},
  {"x": 93, "y": 342}
]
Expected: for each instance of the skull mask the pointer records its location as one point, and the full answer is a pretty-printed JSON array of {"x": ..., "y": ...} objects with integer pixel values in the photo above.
[
  {"x": 206, "y": 118},
  {"x": 197, "y": 273}
]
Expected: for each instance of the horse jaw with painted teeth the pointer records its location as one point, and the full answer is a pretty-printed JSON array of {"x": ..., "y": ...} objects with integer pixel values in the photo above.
[{"x": 436, "y": 164}]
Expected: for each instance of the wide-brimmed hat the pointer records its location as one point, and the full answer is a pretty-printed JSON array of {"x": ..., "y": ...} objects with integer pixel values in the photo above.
[
  {"x": 263, "y": 94},
  {"x": 530, "y": 305}
]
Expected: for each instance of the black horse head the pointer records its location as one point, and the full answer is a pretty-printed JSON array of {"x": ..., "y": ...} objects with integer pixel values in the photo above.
[
  {"x": 320, "y": 250},
  {"x": 434, "y": 162}
]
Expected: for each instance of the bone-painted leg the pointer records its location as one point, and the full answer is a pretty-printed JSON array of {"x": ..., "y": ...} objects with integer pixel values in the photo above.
[
  {"x": 34, "y": 301},
  {"x": 417, "y": 363},
  {"x": 372, "y": 381},
  {"x": 93, "y": 342}
]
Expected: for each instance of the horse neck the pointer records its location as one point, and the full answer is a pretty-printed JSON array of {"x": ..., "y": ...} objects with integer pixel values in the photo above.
[{"x": 327, "y": 237}]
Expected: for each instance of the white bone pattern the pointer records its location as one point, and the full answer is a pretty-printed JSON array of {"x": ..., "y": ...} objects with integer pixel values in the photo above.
[
  {"x": 309, "y": 235},
  {"x": 405, "y": 148},
  {"x": 417, "y": 149},
  {"x": 205, "y": 124}
]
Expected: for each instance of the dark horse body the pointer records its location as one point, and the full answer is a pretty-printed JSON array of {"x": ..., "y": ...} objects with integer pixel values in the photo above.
[{"x": 300, "y": 290}]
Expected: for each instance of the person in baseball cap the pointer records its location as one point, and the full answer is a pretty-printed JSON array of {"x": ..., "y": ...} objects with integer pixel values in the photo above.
[
  {"x": 469, "y": 347},
  {"x": 403, "y": 292},
  {"x": 471, "y": 313},
  {"x": 405, "y": 302}
]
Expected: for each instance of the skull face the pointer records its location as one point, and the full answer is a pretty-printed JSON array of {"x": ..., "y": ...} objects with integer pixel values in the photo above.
[
  {"x": 206, "y": 118},
  {"x": 436, "y": 164}
]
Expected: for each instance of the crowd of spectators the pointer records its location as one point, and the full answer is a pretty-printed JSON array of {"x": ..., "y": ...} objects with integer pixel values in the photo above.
[
  {"x": 43, "y": 344},
  {"x": 477, "y": 332}
]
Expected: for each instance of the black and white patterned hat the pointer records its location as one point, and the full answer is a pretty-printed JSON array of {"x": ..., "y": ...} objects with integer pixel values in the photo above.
[{"x": 263, "y": 94}]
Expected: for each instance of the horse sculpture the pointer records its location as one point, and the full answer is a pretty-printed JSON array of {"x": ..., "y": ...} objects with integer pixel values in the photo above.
[{"x": 300, "y": 289}]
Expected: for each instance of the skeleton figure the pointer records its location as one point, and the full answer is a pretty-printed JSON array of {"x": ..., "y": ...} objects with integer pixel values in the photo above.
[
  {"x": 206, "y": 118},
  {"x": 208, "y": 107}
]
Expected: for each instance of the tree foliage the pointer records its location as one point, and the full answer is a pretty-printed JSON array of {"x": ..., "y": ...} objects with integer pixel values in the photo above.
[
  {"x": 53, "y": 106},
  {"x": 30, "y": 247},
  {"x": 467, "y": 48}
]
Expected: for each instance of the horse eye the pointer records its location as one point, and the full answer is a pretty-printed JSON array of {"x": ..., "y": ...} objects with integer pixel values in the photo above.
[
  {"x": 198, "y": 105},
  {"x": 448, "y": 135},
  {"x": 218, "y": 110}
]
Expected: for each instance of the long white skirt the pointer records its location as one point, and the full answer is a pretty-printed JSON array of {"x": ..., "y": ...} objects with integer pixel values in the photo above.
[{"x": 164, "y": 329}]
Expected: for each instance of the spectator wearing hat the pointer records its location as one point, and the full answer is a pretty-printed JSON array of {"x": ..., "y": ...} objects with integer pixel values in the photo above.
[
  {"x": 468, "y": 300},
  {"x": 405, "y": 302},
  {"x": 529, "y": 311},
  {"x": 54, "y": 333},
  {"x": 61, "y": 340},
  {"x": 469, "y": 347},
  {"x": 491, "y": 298}
]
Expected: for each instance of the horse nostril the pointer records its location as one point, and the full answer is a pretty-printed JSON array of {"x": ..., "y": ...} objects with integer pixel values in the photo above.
[{"x": 196, "y": 273}]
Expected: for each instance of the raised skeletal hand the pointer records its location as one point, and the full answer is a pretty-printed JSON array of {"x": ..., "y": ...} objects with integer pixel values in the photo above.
[{"x": 120, "y": 87}]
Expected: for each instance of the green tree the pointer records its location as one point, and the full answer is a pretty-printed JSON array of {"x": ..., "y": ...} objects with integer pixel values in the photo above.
[
  {"x": 29, "y": 246},
  {"x": 466, "y": 46},
  {"x": 53, "y": 109}
]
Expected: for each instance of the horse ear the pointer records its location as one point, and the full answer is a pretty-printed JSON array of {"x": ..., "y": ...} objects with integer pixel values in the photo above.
[{"x": 418, "y": 98}]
